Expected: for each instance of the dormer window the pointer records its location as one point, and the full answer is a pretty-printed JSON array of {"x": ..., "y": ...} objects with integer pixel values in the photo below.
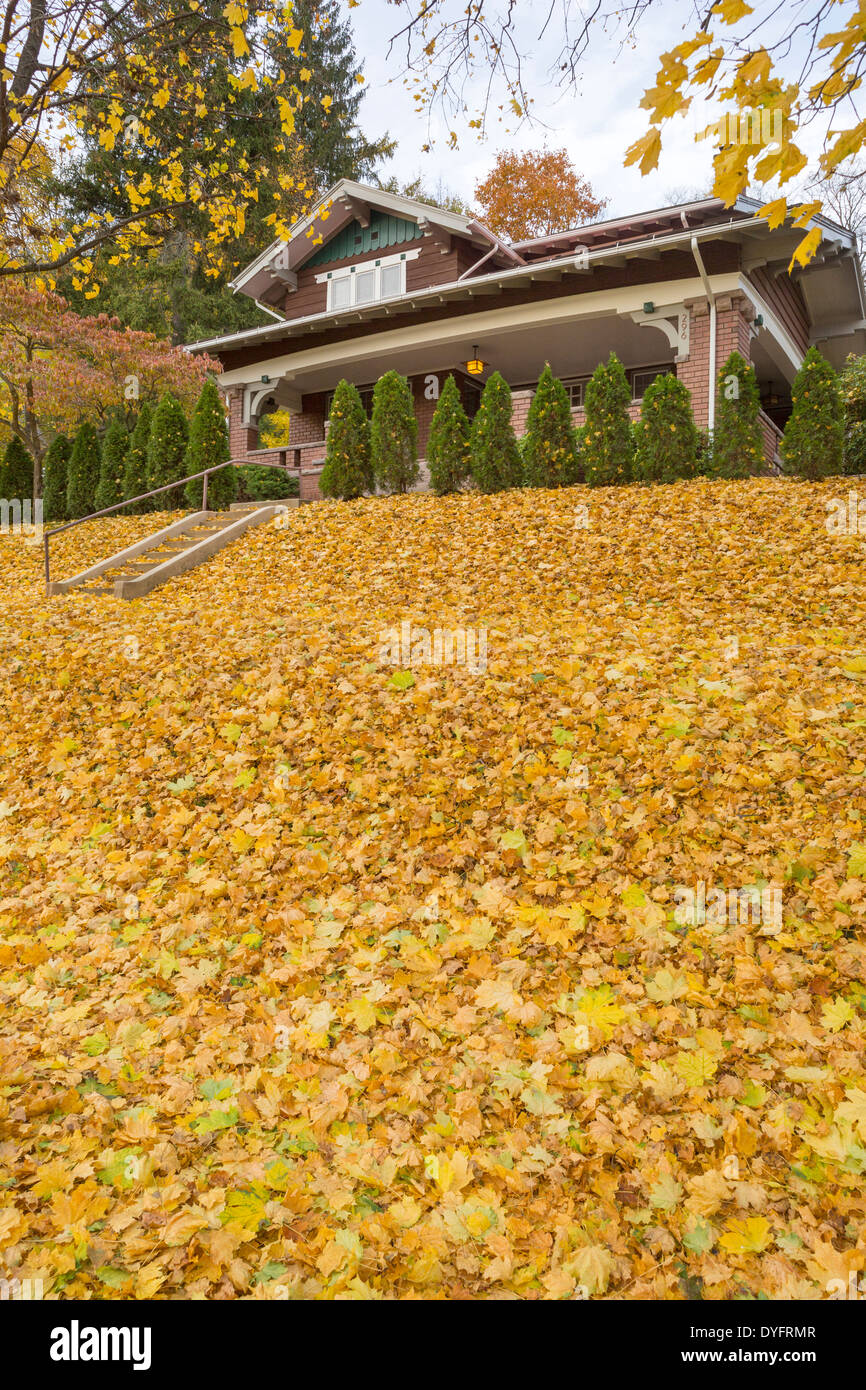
[{"x": 355, "y": 285}]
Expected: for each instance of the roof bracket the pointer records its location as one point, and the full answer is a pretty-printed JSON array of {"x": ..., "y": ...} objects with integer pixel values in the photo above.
[{"x": 673, "y": 321}]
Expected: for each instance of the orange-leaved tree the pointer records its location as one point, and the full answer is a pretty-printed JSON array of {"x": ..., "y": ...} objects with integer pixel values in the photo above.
[
  {"x": 535, "y": 193},
  {"x": 58, "y": 370}
]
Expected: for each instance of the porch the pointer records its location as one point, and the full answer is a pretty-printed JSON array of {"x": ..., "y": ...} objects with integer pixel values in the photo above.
[{"x": 650, "y": 337}]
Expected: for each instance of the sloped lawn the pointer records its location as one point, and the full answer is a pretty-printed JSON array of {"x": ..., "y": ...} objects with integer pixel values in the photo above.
[{"x": 322, "y": 977}]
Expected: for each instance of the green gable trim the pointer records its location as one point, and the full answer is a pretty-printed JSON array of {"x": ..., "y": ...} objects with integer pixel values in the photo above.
[{"x": 353, "y": 239}]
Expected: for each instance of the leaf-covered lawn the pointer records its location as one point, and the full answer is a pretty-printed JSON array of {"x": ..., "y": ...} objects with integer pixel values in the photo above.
[{"x": 321, "y": 985}]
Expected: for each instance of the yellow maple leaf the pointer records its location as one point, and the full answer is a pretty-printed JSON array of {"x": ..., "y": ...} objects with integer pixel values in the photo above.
[
  {"x": 806, "y": 249},
  {"x": 362, "y": 1014},
  {"x": 746, "y": 1237},
  {"x": 646, "y": 150}
]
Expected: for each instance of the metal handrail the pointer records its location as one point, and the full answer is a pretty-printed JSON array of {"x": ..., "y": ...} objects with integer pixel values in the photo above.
[{"x": 166, "y": 487}]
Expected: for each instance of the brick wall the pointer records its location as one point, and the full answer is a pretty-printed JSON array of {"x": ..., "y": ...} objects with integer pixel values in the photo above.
[
  {"x": 520, "y": 403},
  {"x": 424, "y": 409},
  {"x": 522, "y": 400},
  {"x": 308, "y": 426},
  {"x": 309, "y": 485},
  {"x": 578, "y": 414}
]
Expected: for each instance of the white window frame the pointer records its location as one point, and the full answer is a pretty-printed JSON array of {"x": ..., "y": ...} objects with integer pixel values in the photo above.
[{"x": 351, "y": 272}]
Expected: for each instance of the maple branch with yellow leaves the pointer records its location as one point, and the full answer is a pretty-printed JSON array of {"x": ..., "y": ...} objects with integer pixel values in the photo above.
[{"x": 160, "y": 89}]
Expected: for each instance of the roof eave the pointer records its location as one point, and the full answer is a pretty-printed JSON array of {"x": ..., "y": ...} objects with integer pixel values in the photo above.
[{"x": 459, "y": 288}]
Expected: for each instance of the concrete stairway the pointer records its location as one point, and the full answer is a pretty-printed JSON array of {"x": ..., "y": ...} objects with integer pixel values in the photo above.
[{"x": 139, "y": 568}]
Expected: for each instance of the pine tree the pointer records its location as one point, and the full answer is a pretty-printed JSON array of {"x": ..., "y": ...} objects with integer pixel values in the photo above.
[
  {"x": 334, "y": 146},
  {"x": 55, "y": 479},
  {"x": 82, "y": 474},
  {"x": 166, "y": 450},
  {"x": 666, "y": 438},
  {"x": 607, "y": 437},
  {"x": 493, "y": 453},
  {"x": 115, "y": 445},
  {"x": 812, "y": 442},
  {"x": 738, "y": 444},
  {"x": 394, "y": 434},
  {"x": 16, "y": 474},
  {"x": 135, "y": 466},
  {"x": 448, "y": 444},
  {"x": 208, "y": 446},
  {"x": 348, "y": 471},
  {"x": 549, "y": 446}
]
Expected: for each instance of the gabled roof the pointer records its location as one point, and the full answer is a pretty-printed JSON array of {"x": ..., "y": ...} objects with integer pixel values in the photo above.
[{"x": 267, "y": 276}]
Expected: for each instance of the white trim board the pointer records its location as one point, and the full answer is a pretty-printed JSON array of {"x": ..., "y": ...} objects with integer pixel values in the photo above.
[{"x": 539, "y": 313}]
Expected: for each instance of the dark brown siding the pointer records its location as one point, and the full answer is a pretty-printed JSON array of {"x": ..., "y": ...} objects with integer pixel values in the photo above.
[
  {"x": 432, "y": 267},
  {"x": 786, "y": 302}
]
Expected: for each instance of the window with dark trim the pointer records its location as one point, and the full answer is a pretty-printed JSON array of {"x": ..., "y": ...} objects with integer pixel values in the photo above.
[
  {"x": 366, "y": 394},
  {"x": 638, "y": 379}
]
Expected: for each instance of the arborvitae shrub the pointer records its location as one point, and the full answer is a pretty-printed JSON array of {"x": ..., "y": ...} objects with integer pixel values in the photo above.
[
  {"x": 705, "y": 454},
  {"x": 493, "y": 453},
  {"x": 54, "y": 478},
  {"x": 812, "y": 442},
  {"x": 348, "y": 470},
  {"x": 135, "y": 467},
  {"x": 208, "y": 446},
  {"x": 448, "y": 445},
  {"x": 260, "y": 484},
  {"x": 549, "y": 453},
  {"x": 608, "y": 438},
  {"x": 82, "y": 474},
  {"x": 666, "y": 438},
  {"x": 394, "y": 434},
  {"x": 580, "y": 450},
  {"x": 16, "y": 473},
  {"x": 852, "y": 384},
  {"x": 115, "y": 445},
  {"x": 166, "y": 451},
  {"x": 738, "y": 442}
]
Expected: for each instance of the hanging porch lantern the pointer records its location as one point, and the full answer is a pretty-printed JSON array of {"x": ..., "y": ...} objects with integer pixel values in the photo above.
[{"x": 475, "y": 366}]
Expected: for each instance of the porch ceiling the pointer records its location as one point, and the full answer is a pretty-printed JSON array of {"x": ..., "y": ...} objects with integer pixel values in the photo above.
[{"x": 572, "y": 349}]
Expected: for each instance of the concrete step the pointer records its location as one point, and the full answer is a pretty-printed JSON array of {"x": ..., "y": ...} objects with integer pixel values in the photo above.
[
  {"x": 139, "y": 568},
  {"x": 130, "y": 552},
  {"x": 202, "y": 542}
]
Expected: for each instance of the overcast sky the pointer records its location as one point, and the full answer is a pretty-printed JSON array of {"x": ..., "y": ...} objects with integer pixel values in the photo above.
[{"x": 596, "y": 121}]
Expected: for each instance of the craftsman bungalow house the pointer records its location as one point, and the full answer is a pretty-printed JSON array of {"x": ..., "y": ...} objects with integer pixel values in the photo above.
[{"x": 371, "y": 281}]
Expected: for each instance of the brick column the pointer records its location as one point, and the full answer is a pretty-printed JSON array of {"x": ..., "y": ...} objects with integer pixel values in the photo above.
[
  {"x": 242, "y": 439},
  {"x": 520, "y": 403},
  {"x": 734, "y": 314},
  {"x": 694, "y": 371},
  {"x": 424, "y": 409}
]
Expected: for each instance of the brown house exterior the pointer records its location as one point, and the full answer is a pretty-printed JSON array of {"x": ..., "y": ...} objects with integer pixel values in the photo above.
[{"x": 372, "y": 281}]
